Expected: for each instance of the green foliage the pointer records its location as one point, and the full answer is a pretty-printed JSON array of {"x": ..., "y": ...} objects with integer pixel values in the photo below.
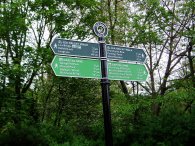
[
  {"x": 23, "y": 136},
  {"x": 37, "y": 108},
  {"x": 57, "y": 135},
  {"x": 170, "y": 128}
]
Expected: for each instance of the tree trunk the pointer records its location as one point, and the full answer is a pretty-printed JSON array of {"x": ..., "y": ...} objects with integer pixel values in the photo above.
[
  {"x": 45, "y": 103},
  {"x": 124, "y": 88}
]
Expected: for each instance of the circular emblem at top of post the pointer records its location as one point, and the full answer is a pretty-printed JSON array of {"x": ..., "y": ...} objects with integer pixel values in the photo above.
[{"x": 100, "y": 29}]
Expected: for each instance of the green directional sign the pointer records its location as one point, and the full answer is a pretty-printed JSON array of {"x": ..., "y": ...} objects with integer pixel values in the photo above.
[
  {"x": 90, "y": 68},
  {"x": 76, "y": 67},
  {"x": 126, "y": 71}
]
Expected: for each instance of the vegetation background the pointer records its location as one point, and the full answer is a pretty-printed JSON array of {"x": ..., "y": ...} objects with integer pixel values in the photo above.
[{"x": 38, "y": 108}]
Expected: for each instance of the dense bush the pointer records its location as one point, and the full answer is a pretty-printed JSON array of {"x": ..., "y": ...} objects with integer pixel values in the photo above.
[
  {"x": 23, "y": 136},
  {"x": 170, "y": 128}
]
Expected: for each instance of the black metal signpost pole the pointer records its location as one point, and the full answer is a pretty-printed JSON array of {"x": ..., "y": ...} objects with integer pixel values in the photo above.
[
  {"x": 105, "y": 95},
  {"x": 104, "y": 83}
]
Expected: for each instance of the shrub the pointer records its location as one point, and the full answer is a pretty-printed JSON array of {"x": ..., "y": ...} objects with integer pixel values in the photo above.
[{"x": 23, "y": 136}]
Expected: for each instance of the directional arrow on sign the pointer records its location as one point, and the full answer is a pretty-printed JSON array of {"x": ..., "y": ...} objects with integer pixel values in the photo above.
[
  {"x": 55, "y": 46},
  {"x": 115, "y": 52},
  {"x": 75, "y": 48}
]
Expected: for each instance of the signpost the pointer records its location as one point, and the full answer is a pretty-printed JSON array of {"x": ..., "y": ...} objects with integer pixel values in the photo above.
[
  {"x": 76, "y": 67},
  {"x": 100, "y": 30},
  {"x": 100, "y": 61},
  {"x": 75, "y": 48},
  {"x": 115, "y": 52}
]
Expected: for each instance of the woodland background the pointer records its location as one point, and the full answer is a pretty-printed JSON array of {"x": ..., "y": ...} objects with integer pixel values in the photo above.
[{"x": 38, "y": 108}]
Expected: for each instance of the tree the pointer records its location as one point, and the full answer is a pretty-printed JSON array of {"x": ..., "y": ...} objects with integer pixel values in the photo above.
[{"x": 25, "y": 50}]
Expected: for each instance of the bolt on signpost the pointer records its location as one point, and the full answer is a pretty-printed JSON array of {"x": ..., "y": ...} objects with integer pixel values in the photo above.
[{"x": 101, "y": 31}]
